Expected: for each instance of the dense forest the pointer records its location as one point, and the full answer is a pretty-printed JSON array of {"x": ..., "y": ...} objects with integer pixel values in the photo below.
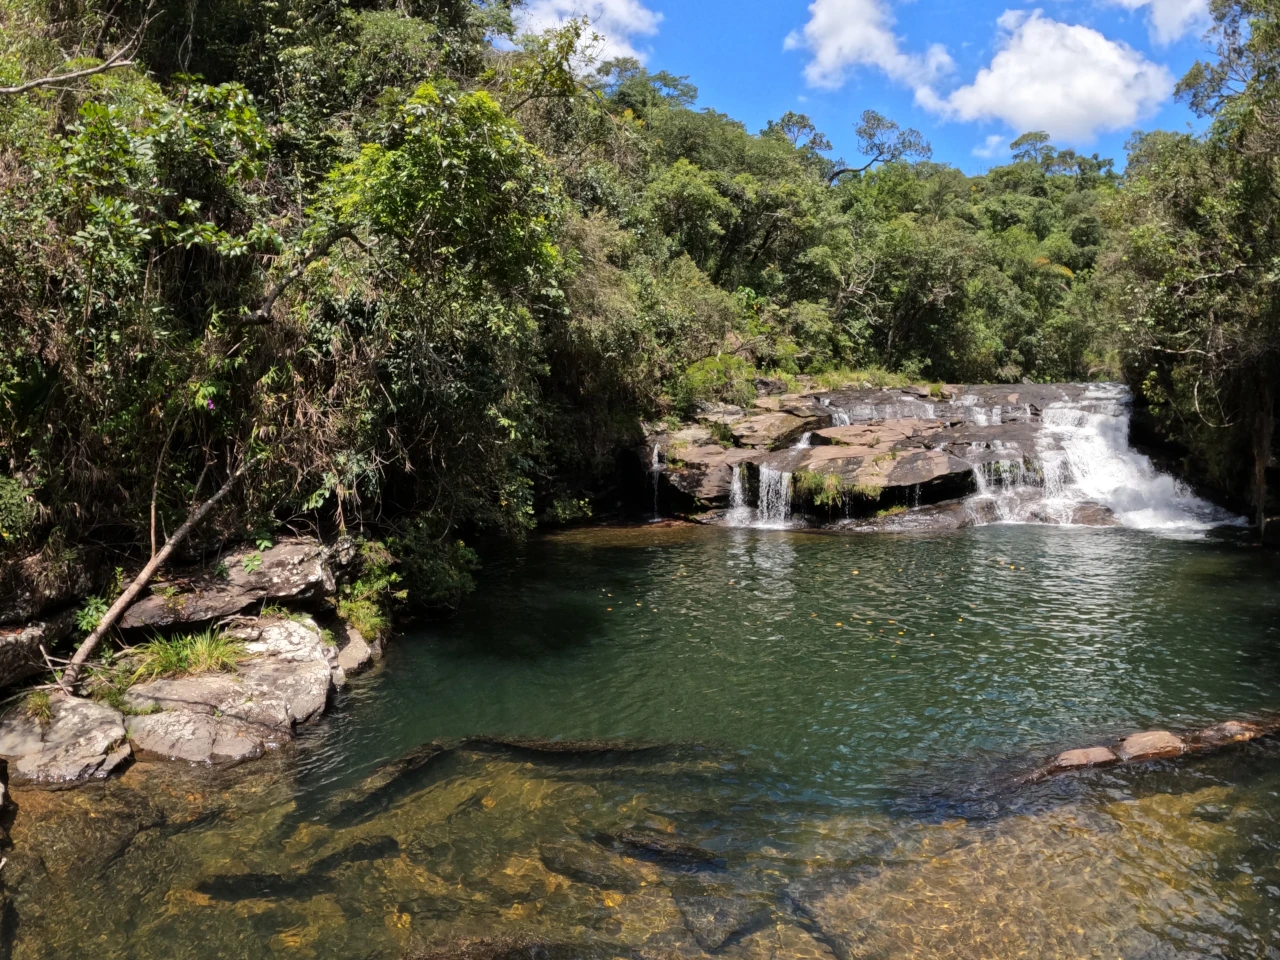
[{"x": 394, "y": 268}]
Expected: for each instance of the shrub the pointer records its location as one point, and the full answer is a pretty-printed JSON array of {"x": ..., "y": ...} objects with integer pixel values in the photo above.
[
  {"x": 17, "y": 514},
  {"x": 727, "y": 378}
]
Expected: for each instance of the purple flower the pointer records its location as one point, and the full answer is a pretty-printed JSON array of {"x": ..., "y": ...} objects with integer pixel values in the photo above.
[{"x": 209, "y": 404}]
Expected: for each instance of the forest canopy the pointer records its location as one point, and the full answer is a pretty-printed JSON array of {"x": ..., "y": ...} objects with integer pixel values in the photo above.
[{"x": 401, "y": 270}]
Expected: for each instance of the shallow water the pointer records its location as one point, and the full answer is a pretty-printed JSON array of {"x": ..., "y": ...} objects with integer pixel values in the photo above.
[{"x": 833, "y": 772}]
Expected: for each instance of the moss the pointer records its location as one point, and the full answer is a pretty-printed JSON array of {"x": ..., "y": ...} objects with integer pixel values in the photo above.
[
  {"x": 871, "y": 491},
  {"x": 891, "y": 511}
]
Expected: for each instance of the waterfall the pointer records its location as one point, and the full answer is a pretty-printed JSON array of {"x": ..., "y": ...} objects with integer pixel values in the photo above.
[
  {"x": 1085, "y": 456},
  {"x": 774, "y": 509},
  {"x": 655, "y": 471},
  {"x": 1081, "y": 456},
  {"x": 805, "y": 441},
  {"x": 740, "y": 514}
]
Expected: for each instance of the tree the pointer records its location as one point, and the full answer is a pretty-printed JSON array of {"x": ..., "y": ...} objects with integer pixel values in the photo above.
[{"x": 884, "y": 141}]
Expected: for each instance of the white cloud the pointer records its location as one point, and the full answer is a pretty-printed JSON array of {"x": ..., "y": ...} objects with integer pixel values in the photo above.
[
  {"x": 993, "y": 146},
  {"x": 1068, "y": 80},
  {"x": 843, "y": 34},
  {"x": 621, "y": 23},
  {"x": 1171, "y": 19}
]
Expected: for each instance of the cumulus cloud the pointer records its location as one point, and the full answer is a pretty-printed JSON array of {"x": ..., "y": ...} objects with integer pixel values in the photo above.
[
  {"x": 621, "y": 23},
  {"x": 1068, "y": 80},
  {"x": 993, "y": 146},
  {"x": 844, "y": 34},
  {"x": 1171, "y": 20}
]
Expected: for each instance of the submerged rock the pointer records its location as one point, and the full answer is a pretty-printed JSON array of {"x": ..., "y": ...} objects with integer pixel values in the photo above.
[
  {"x": 717, "y": 922},
  {"x": 515, "y": 948},
  {"x": 83, "y": 740},
  {"x": 590, "y": 865},
  {"x": 670, "y": 851},
  {"x": 295, "y": 571}
]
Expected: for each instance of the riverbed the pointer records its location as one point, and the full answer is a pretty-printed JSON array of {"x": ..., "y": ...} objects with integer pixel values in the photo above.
[{"x": 772, "y": 744}]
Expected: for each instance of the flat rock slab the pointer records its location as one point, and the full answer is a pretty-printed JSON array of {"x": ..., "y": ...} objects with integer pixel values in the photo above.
[
  {"x": 1085, "y": 757},
  {"x": 1150, "y": 746},
  {"x": 84, "y": 740},
  {"x": 768, "y": 430},
  {"x": 1233, "y": 731},
  {"x": 200, "y": 738},
  {"x": 296, "y": 571}
]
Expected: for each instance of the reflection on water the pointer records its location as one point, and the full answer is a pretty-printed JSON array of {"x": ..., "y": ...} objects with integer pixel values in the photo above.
[{"x": 822, "y": 786}]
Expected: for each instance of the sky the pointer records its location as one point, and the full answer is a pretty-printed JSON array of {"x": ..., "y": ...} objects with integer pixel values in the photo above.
[{"x": 971, "y": 76}]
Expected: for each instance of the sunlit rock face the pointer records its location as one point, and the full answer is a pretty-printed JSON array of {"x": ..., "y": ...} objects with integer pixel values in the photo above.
[{"x": 1025, "y": 453}]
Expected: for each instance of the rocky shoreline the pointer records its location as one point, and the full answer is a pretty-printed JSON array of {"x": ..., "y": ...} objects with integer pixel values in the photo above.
[{"x": 269, "y": 603}]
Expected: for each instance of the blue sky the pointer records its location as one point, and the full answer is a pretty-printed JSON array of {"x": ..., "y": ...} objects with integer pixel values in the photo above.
[{"x": 971, "y": 76}]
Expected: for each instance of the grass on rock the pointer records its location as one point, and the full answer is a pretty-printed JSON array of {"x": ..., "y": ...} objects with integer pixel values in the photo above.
[{"x": 187, "y": 655}]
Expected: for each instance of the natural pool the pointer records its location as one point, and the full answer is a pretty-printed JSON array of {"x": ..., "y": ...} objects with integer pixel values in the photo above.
[{"x": 837, "y": 724}]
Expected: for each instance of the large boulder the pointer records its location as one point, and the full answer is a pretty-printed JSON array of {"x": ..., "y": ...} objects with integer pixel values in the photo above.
[
  {"x": 286, "y": 683},
  {"x": 296, "y": 571},
  {"x": 81, "y": 740},
  {"x": 768, "y": 431},
  {"x": 20, "y": 655}
]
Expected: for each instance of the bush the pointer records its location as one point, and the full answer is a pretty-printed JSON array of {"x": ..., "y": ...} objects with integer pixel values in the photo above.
[
  {"x": 17, "y": 514},
  {"x": 38, "y": 705},
  {"x": 727, "y": 378}
]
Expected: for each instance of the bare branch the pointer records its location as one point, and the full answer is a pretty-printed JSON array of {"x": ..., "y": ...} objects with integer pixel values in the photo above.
[{"x": 116, "y": 61}]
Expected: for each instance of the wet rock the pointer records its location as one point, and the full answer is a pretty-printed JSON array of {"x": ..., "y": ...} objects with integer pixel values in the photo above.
[
  {"x": 295, "y": 571},
  {"x": 20, "y": 655},
  {"x": 589, "y": 865},
  {"x": 662, "y": 849},
  {"x": 389, "y": 783},
  {"x": 516, "y": 948},
  {"x": 82, "y": 741},
  {"x": 1150, "y": 746},
  {"x": 308, "y": 882},
  {"x": 199, "y": 738},
  {"x": 1083, "y": 758},
  {"x": 1093, "y": 515},
  {"x": 717, "y": 922},
  {"x": 355, "y": 655},
  {"x": 1233, "y": 731},
  {"x": 564, "y": 748}
]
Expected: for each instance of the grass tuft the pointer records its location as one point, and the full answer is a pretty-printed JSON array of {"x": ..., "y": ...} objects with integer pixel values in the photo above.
[
  {"x": 38, "y": 705},
  {"x": 187, "y": 655}
]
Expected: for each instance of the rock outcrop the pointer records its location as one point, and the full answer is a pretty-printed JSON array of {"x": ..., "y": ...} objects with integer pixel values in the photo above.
[
  {"x": 236, "y": 716},
  {"x": 20, "y": 655},
  {"x": 295, "y": 572},
  {"x": 81, "y": 740}
]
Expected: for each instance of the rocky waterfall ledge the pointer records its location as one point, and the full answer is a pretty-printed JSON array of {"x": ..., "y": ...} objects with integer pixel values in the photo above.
[{"x": 919, "y": 458}]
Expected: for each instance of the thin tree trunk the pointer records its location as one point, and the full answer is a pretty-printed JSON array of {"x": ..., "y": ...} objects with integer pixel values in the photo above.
[
  {"x": 90, "y": 644},
  {"x": 1264, "y": 428}
]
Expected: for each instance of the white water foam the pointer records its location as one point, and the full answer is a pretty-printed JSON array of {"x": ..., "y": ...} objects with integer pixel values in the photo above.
[{"x": 774, "y": 507}]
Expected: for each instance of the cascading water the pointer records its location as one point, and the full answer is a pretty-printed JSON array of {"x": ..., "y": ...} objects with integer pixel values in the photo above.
[
  {"x": 1081, "y": 456},
  {"x": 740, "y": 515},
  {"x": 1084, "y": 455},
  {"x": 655, "y": 471},
  {"x": 774, "y": 507}
]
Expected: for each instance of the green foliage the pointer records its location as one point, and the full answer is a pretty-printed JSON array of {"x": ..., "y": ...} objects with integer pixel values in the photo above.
[
  {"x": 17, "y": 513},
  {"x": 364, "y": 603},
  {"x": 438, "y": 567},
  {"x": 91, "y": 612},
  {"x": 727, "y": 378},
  {"x": 822, "y": 489},
  {"x": 186, "y": 655},
  {"x": 38, "y": 706}
]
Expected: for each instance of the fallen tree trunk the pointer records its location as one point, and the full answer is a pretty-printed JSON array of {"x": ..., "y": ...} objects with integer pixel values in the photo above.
[{"x": 71, "y": 677}]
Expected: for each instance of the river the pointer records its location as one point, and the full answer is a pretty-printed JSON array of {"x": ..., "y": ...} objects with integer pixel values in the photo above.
[{"x": 836, "y": 723}]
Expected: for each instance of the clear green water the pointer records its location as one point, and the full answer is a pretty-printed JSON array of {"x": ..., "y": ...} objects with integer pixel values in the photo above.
[{"x": 839, "y": 748}]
